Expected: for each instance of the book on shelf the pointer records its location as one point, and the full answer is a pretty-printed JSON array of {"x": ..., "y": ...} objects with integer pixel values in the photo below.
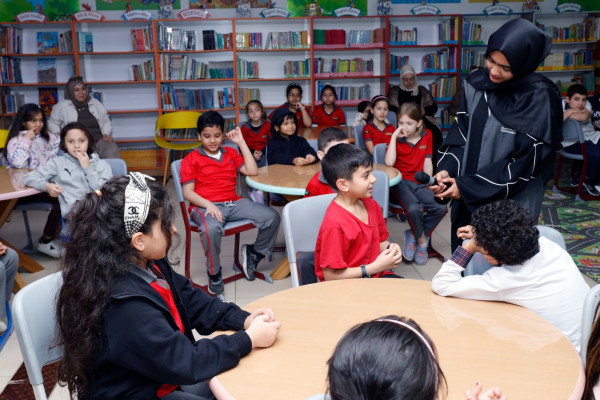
[
  {"x": 247, "y": 69},
  {"x": 347, "y": 95},
  {"x": 170, "y": 38},
  {"x": 365, "y": 38},
  {"x": 10, "y": 70},
  {"x": 403, "y": 37},
  {"x": 247, "y": 94},
  {"x": 141, "y": 39},
  {"x": 220, "y": 69},
  {"x": 329, "y": 38},
  {"x": 11, "y": 40},
  {"x": 332, "y": 67},
  {"x": 97, "y": 95},
  {"x": 287, "y": 40},
  {"x": 65, "y": 42},
  {"x": 586, "y": 79},
  {"x": 48, "y": 97},
  {"x": 46, "y": 70},
  {"x": 448, "y": 31},
  {"x": 397, "y": 62},
  {"x": 225, "y": 97},
  {"x": 442, "y": 60},
  {"x": 249, "y": 40},
  {"x": 142, "y": 72},
  {"x": 11, "y": 102},
  {"x": 212, "y": 40},
  {"x": 297, "y": 69},
  {"x": 445, "y": 119},
  {"x": 471, "y": 34},
  {"x": 443, "y": 88},
  {"x": 556, "y": 60},
  {"x": 47, "y": 42},
  {"x": 469, "y": 58},
  {"x": 85, "y": 42},
  {"x": 583, "y": 31},
  {"x": 181, "y": 67}
]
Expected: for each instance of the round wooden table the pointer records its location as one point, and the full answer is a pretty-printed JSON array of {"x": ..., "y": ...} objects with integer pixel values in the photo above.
[
  {"x": 491, "y": 342},
  {"x": 292, "y": 179}
]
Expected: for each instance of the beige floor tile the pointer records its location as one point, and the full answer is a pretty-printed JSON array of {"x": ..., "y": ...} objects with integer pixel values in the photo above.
[{"x": 10, "y": 358}]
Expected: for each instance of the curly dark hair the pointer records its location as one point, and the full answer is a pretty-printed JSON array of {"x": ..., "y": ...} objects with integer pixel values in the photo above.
[
  {"x": 97, "y": 255},
  {"x": 25, "y": 113},
  {"x": 506, "y": 231},
  {"x": 77, "y": 125}
]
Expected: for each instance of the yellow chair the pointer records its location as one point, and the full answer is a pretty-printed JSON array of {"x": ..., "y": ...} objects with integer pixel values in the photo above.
[
  {"x": 175, "y": 120},
  {"x": 3, "y": 137}
]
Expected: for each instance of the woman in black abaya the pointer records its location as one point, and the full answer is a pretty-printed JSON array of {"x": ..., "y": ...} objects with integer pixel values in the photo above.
[{"x": 503, "y": 142}]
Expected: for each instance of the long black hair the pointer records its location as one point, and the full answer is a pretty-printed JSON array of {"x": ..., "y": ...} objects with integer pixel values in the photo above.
[
  {"x": 98, "y": 254},
  {"x": 381, "y": 360},
  {"x": 26, "y": 113}
]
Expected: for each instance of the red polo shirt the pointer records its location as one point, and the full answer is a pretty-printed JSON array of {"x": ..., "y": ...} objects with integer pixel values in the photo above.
[
  {"x": 322, "y": 118},
  {"x": 411, "y": 157},
  {"x": 256, "y": 140},
  {"x": 371, "y": 132}
]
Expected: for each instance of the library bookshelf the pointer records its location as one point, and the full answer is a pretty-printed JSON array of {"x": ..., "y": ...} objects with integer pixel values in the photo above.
[{"x": 143, "y": 69}]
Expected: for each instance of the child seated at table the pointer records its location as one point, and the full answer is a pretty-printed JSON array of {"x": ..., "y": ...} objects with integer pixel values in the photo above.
[
  {"x": 529, "y": 270},
  {"x": 327, "y": 113},
  {"x": 327, "y": 139},
  {"x": 353, "y": 238},
  {"x": 209, "y": 179},
  {"x": 378, "y": 129},
  {"x": 293, "y": 94},
  {"x": 390, "y": 358},
  {"x": 363, "y": 113},
  {"x": 285, "y": 146}
]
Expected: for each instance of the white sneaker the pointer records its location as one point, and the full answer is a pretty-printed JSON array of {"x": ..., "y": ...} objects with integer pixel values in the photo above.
[
  {"x": 51, "y": 248},
  {"x": 3, "y": 327}
]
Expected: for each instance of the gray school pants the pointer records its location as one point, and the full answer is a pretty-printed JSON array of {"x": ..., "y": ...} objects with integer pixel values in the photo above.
[
  {"x": 9, "y": 262},
  {"x": 211, "y": 230},
  {"x": 414, "y": 197}
]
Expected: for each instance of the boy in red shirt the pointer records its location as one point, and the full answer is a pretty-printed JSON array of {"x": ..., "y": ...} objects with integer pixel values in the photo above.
[
  {"x": 209, "y": 178},
  {"x": 327, "y": 139},
  {"x": 352, "y": 241}
]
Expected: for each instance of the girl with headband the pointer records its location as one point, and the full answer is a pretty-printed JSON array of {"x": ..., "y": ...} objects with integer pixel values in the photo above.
[
  {"x": 125, "y": 317},
  {"x": 378, "y": 130},
  {"x": 389, "y": 358}
]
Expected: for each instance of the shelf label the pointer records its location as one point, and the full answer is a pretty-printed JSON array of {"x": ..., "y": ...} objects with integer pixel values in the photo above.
[
  {"x": 347, "y": 11},
  {"x": 191, "y": 13},
  {"x": 138, "y": 15},
  {"x": 275, "y": 12},
  {"x": 568, "y": 7},
  {"x": 497, "y": 9},
  {"x": 88, "y": 16},
  {"x": 30, "y": 16},
  {"x": 425, "y": 9}
]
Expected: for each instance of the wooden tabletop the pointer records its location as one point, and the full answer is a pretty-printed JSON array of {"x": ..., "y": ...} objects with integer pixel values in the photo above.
[
  {"x": 491, "y": 342},
  {"x": 292, "y": 179},
  {"x": 11, "y": 186}
]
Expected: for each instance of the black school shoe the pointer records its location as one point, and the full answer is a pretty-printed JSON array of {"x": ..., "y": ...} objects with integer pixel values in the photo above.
[
  {"x": 250, "y": 260},
  {"x": 215, "y": 284}
]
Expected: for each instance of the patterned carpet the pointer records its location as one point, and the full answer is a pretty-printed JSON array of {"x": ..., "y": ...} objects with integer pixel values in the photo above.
[
  {"x": 19, "y": 388},
  {"x": 579, "y": 222}
]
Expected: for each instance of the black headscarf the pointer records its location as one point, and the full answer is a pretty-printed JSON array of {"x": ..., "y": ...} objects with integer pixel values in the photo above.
[{"x": 529, "y": 102}]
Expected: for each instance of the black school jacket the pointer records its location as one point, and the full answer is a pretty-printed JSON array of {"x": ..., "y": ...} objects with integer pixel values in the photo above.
[
  {"x": 142, "y": 347},
  {"x": 282, "y": 150}
]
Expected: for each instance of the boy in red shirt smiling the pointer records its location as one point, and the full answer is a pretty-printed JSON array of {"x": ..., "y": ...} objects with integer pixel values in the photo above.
[{"x": 209, "y": 179}]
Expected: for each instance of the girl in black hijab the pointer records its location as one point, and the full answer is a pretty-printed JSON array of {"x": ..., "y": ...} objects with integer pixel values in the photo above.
[{"x": 508, "y": 126}]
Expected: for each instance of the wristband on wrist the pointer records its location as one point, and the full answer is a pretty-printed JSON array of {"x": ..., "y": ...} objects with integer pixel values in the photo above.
[{"x": 363, "y": 269}]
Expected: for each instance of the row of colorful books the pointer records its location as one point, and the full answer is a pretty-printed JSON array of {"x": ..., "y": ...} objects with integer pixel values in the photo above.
[
  {"x": 287, "y": 40},
  {"x": 567, "y": 60},
  {"x": 192, "y": 133},
  {"x": 220, "y": 69},
  {"x": 471, "y": 33},
  {"x": 348, "y": 94},
  {"x": 212, "y": 40},
  {"x": 471, "y": 57},
  {"x": 247, "y": 69},
  {"x": 442, "y": 60},
  {"x": 580, "y": 32},
  {"x": 142, "y": 72},
  {"x": 448, "y": 31},
  {"x": 324, "y": 38},
  {"x": 366, "y": 38},
  {"x": 248, "y": 40},
  {"x": 141, "y": 39},
  {"x": 10, "y": 70},
  {"x": 403, "y": 37},
  {"x": 586, "y": 79},
  {"x": 10, "y": 102},
  {"x": 397, "y": 62},
  {"x": 195, "y": 99},
  {"x": 169, "y": 38},
  {"x": 297, "y": 69},
  {"x": 445, "y": 119},
  {"x": 247, "y": 94},
  {"x": 11, "y": 40},
  {"x": 54, "y": 42},
  {"x": 443, "y": 88},
  {"x": 325, "y": 67},
  {"x": 180, "y": 67}
]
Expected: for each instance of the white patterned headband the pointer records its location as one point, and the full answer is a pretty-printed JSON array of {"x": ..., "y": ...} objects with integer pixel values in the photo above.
[
  {"x": 410, "y": 328},
  {"x": 137, "y": 202}
]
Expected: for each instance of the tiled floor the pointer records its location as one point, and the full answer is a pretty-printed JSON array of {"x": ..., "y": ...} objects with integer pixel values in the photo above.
[{"x": 241, "y": 292}]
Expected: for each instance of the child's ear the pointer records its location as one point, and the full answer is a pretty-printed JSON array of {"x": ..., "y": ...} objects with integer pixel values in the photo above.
[
  {"x": 137, "y": 241},
  {"x": 320, "y": 154},
  {"x": 342, "y": 185}
]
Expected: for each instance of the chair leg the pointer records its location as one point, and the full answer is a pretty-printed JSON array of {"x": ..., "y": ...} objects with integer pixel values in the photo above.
[
  {"x": 29, "y": 246},
  {"x": 167, "y": 167},
  {"x": 9, "y": 327}
]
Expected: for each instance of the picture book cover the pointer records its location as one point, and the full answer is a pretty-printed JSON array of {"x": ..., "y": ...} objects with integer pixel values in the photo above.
[
  {"x": 46, "y": 69},
  {"x": 47, "y": 42},
  {"x": 48, "y": 98}
]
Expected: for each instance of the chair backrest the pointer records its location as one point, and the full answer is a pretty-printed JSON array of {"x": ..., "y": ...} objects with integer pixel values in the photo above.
[
  {"x": 381, "y": 191},
  {"x": 3, "y": 137},
  {"x": 588, "y": 318},
  {"x": 34, "y": 310},
  {"x": 392, "y": 118},
  {"x": 572, "y": 130},
  {"x": 379, "y": 153},
  {"x": 301, "y": 222},
  {"x": 358, "y": 137},
  {"x": 177, "y": 120},
  {"x": 552, "y": 234},
  {"x": 313, "y": 143},
  {"x": 176, "y": 171},
  {"x": 117, "y": 166}
]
